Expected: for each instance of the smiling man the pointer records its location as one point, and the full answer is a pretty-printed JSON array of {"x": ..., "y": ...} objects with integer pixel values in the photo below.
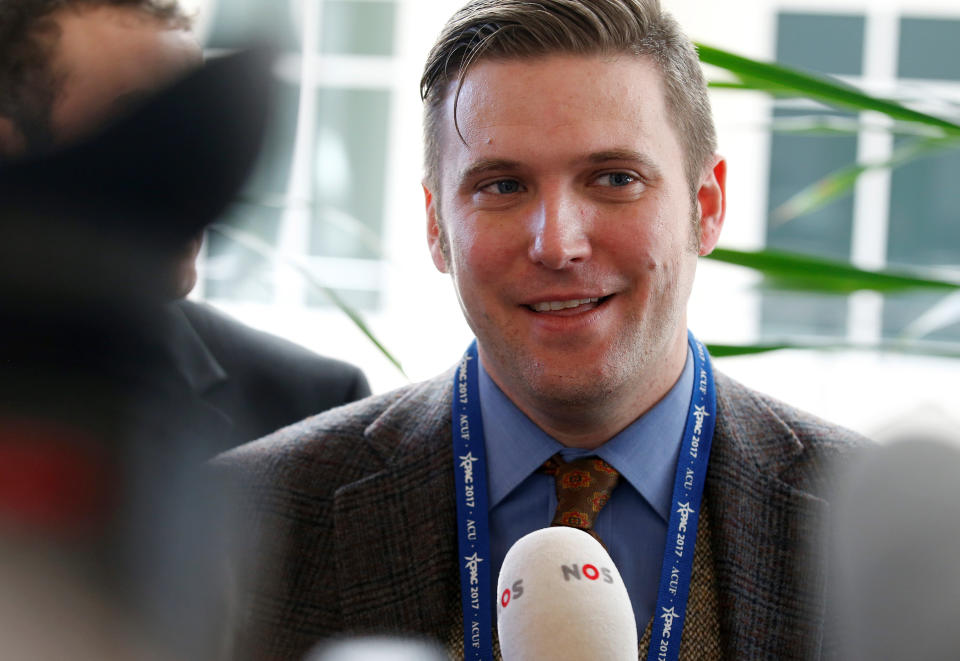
[
  {"x": 571, "y": 185},
  {"x": 571, "y": 232}
]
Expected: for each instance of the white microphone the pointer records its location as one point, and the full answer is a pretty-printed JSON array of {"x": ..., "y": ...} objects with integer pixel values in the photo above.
[
  {"x": 376, "y": 648},
  {"x": 560, "y": 597}
]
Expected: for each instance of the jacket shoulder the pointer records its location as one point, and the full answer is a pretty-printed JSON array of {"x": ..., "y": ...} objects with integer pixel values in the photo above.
[
  {"x": 292, "y": 489},
  {"x": 796, "y": 446},
  {"x": 249, "y": 353},
  {"x": 341, "y": 445}
]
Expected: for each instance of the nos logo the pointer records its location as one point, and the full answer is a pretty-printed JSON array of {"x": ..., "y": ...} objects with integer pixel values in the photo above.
[
  {"x": 589, "y": 572},
  {"x": 513, "y": 592}
]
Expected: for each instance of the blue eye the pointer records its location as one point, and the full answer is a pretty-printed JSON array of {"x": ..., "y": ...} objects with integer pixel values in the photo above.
[
  {"x": 618, "y": 179},
  {"x": 503, "y": 187}
]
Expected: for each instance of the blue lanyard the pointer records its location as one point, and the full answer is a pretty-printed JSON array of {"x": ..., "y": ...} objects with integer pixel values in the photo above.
[
  {"x": 473, "y": 530},
  {"x": 677, "y": 567}
]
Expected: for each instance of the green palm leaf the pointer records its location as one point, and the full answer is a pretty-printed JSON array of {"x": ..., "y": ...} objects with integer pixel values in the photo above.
[
  {"x": 730, "y": 350},
  {"x": 791, "y": 271},
  {"x": 941, "y": 349},
  {"x": 842, "y": 125},
  {"x": 778, "y": 79}
]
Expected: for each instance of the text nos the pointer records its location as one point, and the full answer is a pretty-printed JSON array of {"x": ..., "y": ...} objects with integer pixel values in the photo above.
[{"x": 586, "y": 571}]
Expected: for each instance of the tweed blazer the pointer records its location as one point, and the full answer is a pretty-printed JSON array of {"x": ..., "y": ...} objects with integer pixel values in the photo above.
[{"x": 354, "y": 524}]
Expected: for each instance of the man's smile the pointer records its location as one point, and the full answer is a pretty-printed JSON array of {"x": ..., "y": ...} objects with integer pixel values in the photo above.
[{"x": 568, "y": 306}]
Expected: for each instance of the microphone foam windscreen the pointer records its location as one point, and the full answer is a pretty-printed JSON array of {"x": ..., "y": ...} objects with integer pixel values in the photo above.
[
  {"x": 376, "y": 648},
  {"x": 560, "y": 597}
]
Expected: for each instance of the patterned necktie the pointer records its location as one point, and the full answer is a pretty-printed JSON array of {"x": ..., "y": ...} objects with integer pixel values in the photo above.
[{"x": 583, "y": 488}]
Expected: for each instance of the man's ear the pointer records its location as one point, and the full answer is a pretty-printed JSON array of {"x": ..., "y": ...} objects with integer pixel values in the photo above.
[
  {"x": 12, "y": 142},
  {"x": 712, "y": 203},
  {"x": 435, "y": 237}
]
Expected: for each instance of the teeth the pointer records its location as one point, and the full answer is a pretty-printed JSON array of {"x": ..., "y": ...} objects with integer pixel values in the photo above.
[{"x": 547, "y": 306}]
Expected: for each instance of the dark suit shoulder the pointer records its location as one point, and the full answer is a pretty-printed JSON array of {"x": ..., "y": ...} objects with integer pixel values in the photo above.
[
  {"x": 263, "y": 382},
  {"x": 240, "y": 347},
  {"x": 796, "y": 446}
]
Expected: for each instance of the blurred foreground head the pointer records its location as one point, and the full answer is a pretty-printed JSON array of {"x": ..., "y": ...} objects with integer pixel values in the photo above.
[
  {"x": 66, "y": 65},
  {"x": 108, "y": 534},
  {"x": 69, "y": 66},
  {"x": 897, "y": 540}
]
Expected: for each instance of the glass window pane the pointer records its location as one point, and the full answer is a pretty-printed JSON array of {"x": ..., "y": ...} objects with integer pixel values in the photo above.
[
  {"x": 350, "y": 172},
  {"x": 923, "y": 231},
  {"x": 793, "y": 314},
  {"x": 902, "y": 310},
  {"x": 358, "y": 28},
  {"x": 232, "y": 271},
  {"x": 924, "y": 198},
  {"x": 358, "y": 299},
  {"x": 797, "y": 161},
  {"x": 828, "y": 43},
  {"x": 929, "y": 48},
  {"x": 236, "y": 22},
  {"x": 831, "y": 44}
]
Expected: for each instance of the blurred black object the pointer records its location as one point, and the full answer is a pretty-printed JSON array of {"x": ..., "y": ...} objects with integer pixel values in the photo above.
[
  {"x": 99, "y": 447},
  {"x": 94, "y": 219}
]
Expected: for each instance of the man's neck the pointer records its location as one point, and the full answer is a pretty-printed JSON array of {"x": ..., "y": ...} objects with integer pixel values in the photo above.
[{"x": 590, "y": 424}]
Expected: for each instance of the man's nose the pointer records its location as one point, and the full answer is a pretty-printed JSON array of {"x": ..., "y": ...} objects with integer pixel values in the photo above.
[{"x": 560, "y": 232}]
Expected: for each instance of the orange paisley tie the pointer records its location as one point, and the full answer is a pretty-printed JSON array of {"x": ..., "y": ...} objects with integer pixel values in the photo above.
[{"x": 583, "y": 488}]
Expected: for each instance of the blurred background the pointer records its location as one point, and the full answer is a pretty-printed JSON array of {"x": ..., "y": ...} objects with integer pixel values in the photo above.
[{"x": 335, "y": 205}]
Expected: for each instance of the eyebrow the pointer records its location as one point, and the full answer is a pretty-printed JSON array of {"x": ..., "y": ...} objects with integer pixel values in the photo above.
[
  {"x": 488, "y": 165},
  {"x": 624, "y": 155},
  {"x": 502, "y": 164}
]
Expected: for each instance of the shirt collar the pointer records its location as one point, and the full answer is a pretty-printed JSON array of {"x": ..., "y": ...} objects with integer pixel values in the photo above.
[{"x": 645, "y": 452}]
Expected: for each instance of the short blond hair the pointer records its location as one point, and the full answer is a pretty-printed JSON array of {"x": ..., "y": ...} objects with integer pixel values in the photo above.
[{"x": 516, "y": 29}]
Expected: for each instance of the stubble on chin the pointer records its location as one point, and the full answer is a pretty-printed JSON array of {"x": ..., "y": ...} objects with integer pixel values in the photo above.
[
  {"x": 570, "y": 389},
  {"x": 632, "y": 375}
]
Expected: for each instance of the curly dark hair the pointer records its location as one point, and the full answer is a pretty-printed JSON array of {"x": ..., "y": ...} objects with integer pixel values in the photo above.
[{"x": 28, "y": 35}]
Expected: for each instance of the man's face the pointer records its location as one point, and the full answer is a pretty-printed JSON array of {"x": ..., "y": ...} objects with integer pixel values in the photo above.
[
  {"x": 566, "y": 224},
  {"x": 105, "y": 59}
]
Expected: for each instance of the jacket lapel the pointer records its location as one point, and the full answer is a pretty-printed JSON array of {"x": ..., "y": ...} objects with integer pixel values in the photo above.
[
  {"x": 771, "y": 601},
  {"x": 190, "y": 355},
  {"x": 202, "y": 374},
  {"x": 395, "y": 535}
]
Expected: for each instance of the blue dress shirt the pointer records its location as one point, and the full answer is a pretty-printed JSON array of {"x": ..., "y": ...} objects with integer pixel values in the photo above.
[{"x": 633, "y": 524}]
